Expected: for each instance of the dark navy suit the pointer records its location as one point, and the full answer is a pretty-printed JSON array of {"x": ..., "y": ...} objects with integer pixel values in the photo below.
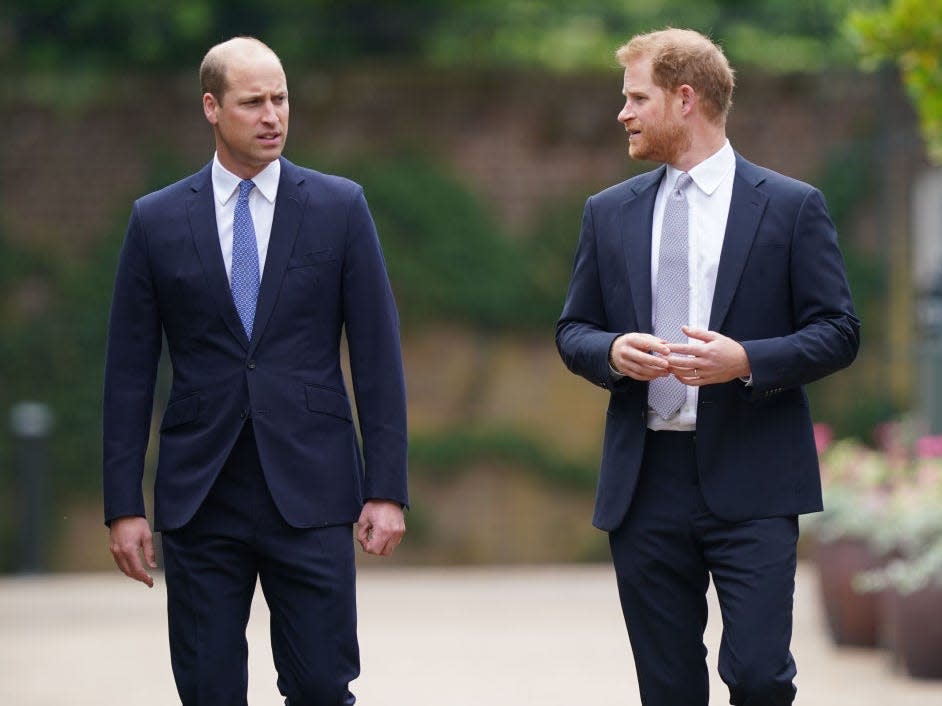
[
  {"x": 257, "y": 443},
  {"x": 781, "y": 292}
]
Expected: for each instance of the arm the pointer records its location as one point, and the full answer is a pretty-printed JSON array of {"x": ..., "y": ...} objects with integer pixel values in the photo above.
[
  {"x": 372, "y": 328},
  {"x": 133, "y": 351},
  {"x": 826, "y": 331},
  {"x": 585, "y": 343}
]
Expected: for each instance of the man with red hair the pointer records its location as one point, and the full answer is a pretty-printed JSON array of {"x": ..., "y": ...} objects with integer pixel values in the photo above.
[{"x": 705, "y": 294}]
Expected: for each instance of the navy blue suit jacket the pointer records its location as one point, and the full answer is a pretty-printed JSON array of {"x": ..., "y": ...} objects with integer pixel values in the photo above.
[
  {"x": 781, "y": 291},
  {"x": 324, "y": 274}
]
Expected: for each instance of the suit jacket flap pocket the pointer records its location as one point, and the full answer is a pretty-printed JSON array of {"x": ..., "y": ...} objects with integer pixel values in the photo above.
[
  {"x": 181, "y": 411},
  {"x": 328, "y": 401}
]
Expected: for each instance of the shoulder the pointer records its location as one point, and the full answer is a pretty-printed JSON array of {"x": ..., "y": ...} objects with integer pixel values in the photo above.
[
  {"x": 176, "y": 194},
  {"x": 329, "y": 187},
  {"x": 770, "y": 181},
  {"x": 628, "y": 189}
]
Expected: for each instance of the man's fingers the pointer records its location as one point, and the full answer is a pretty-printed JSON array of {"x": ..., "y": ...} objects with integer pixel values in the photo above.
[
  {"x": 381, "y": 542},
  {"x": 149, "y": 555},
  {"x": 381, "y": 527},
  {"x": 640, "y": 364},
  {"x": 363, "y": 533},
  {"x": 369, "y": 538},
  {"x": 377, "y": 545},
  {"x": 139, "y": 574},
  {"x": 700, "y": 334},
  {"x": 130, "y": 538},
  {"x": 135, "y": 569},
  {"x": 130, "y": 564}
]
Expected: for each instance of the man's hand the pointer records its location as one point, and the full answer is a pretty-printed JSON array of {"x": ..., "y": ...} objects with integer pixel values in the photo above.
[
  {"x": 130, "y": 537},
  {"x": 633, "y": 354},
  {"x": 380, "y": 527},
  {"x": 712, "y": 358}
]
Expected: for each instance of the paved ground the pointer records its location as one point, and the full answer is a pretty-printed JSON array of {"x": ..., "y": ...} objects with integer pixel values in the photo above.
[{"x": 550, "y": 636}]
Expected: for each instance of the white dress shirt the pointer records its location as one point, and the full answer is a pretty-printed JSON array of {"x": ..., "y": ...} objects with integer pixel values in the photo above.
[
  {"x": 708, "y": 202},
  {"x": 261, "y": 206}
]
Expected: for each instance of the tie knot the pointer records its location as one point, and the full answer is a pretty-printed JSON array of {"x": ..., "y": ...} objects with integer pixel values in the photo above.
[
  {"x": 245, "y": 186},
  {"x": 683, "y": 181}
]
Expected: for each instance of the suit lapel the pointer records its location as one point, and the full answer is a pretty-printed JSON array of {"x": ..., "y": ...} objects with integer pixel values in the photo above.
[
  {"x": 202, "y": 216},
  {"x": 745, "y": 211},
  {"x": 638, "y": 217},
  {"x": 284, "y": 231}
]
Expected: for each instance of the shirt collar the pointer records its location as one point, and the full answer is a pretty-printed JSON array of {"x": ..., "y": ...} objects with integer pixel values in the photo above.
[
  {"x": 710, "y": 173},
  {"x": 226, "y": 184}
]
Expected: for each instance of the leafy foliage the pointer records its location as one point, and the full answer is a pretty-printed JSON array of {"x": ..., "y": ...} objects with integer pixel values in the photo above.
[
  {"x": 99, "y": 33},
  {"x": 909, "y": 34},
  {"x": 447, "y": 257},
  {"x": 847, "y": 180},
  {"x": 777, "y": 35},
  {"x": 55, "y": 356},
  {"x": 774, "y": 35}
]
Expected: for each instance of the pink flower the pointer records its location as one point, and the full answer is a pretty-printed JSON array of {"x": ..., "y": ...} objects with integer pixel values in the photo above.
[
  {"x": 929, "y": 446},
  {"x": 823, "y": 435}
]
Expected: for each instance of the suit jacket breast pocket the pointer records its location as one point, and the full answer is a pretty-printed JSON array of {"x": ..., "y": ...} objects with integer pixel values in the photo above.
[
  {"x": 310, "y": 259},
  {"x": 767, "y": 269},
  {"x": 187, "y": 304}
]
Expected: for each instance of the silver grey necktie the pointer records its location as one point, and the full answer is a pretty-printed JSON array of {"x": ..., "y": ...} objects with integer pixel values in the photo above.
[{"x": 672, "y": 308}]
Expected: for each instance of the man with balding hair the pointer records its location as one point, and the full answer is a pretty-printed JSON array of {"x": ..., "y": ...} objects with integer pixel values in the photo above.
[
  {"x": 705, "y": 294},
  {"x": 252, "y": 269}
]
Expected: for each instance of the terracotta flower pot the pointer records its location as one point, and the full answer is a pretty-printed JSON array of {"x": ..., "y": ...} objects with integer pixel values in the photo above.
[
  {"x": 853, "y": 618},
  {"x": 889, "y": 627},
  {"x": 918, "y": 631}
]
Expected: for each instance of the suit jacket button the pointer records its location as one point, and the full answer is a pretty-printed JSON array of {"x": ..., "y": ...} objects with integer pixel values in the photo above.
[
  {"x": 243, "y": 414},
  {"x": 251, "y": 365}
]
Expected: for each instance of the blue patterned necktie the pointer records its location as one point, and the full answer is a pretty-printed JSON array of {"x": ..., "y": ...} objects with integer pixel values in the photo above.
[
  {"x": 245, "y": 271},
  {"x": 667, "y": 395}
]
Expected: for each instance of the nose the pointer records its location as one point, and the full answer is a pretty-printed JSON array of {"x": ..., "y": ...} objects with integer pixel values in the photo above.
[
  {"x": 270, "y": 115},
  {"x": 626, "y": 113}
]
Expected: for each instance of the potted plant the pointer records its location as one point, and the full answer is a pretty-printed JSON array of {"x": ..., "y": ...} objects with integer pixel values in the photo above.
[
  {"x": 911, "y": 532},
  {"x": 855, "y": 480}
]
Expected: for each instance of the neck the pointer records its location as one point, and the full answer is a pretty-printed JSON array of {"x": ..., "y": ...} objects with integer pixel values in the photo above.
[
  {"x": 241, "y": 170},
  {"x": 703, "y": 145}
]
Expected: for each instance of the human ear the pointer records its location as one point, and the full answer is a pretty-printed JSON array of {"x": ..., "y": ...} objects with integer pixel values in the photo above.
[{"x": 210, "y": 105}]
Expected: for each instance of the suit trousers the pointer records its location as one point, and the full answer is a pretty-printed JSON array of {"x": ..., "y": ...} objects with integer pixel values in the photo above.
[
  {"x": 665, "y": 552},
  {"x": 237, "y": 538}
]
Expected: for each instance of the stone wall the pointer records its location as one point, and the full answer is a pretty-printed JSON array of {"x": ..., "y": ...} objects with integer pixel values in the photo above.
[{"x": 71, "y": 165}]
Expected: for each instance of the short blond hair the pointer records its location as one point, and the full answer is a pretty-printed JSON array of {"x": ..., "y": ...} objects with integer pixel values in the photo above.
[
  {"x": 683, "y": 56},
  {"x": 215, "y": 64}
]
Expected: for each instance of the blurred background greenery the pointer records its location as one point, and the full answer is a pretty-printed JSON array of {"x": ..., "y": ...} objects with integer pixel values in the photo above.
[{"x": 477, "y": 129}]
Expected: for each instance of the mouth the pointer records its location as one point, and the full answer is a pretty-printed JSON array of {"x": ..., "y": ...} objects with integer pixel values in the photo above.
[
  {"x": 270, "y": 138},
  {"x": 632, "y": 133}
]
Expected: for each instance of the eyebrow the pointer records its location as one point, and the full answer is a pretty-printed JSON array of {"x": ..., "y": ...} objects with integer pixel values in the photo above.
[{"x": 262, "y": 94}]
